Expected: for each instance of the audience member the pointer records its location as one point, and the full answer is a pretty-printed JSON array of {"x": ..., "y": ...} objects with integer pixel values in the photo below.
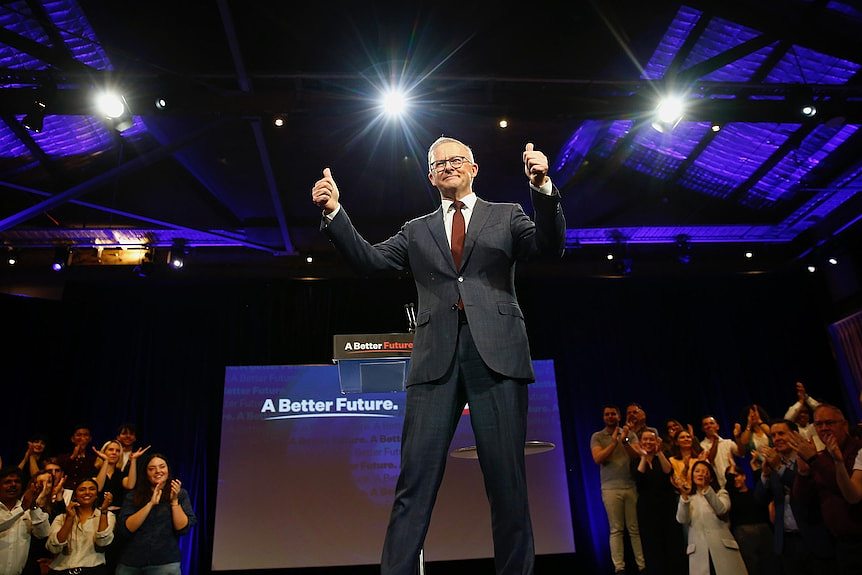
[
  {"x": 636, "y": 419},
  {"x": 816, "y": 481},
  {"x": 800, "y": 414},
  {"x": 719, "y": 452},
  {"x": 754, "y": 436},
  {"x": 749, "y": 524},
  {"x": 800, "y": 540},
  {"x": 32, "y": 460},
  {"x": 704, "y": 509},
  {"x": 81, "y": 463},
  {"x": 60, "y": 495},
  {"x": 672, "y": 427},
  {"x": 79, "y": 537},
  {"x": 20, "y": 517},
  {"x": 154, "y": 516},
  {"x": 612, "y": 448},
  {"x": 127, "y": 435},
  {"x": 662, "y": 538},
  {"x": 850, "y": 485},
  {"x": 686, "y": 452}
]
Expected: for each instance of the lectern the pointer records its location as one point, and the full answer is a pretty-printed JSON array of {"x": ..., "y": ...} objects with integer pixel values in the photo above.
[{"x": 372, "y": 362}]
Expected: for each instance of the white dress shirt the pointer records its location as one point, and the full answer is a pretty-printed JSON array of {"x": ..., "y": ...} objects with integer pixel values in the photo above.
[{"x": 16, "y": 525}]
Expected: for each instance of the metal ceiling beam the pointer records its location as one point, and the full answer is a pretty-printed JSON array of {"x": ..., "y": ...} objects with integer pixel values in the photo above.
[
  {"x": 266, "y": 163},
  {"x": 94, "y": 183},
  {"x": 56, "y": 56},
  {"x": 232, "y": 238},
  {"x": 721, "y": 60}
]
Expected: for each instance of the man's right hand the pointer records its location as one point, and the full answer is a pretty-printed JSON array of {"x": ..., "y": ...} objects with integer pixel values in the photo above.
[{"x": 325, "y": 192}]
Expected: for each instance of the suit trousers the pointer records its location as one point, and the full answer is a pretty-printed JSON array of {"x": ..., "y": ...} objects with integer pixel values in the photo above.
[{"x": 498, "y": 415}]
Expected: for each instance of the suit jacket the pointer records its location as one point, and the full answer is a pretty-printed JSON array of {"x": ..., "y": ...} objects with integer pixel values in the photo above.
[
  {"x": 709, "y": 536},
  {"x": 499, "y": 235},
  {"x": 814, "y": 534}
]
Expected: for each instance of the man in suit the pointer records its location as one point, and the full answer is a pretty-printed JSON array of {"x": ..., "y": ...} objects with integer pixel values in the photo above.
[
  {"x": 800, "y": 539},
  {"x": 470, "y": 343}
]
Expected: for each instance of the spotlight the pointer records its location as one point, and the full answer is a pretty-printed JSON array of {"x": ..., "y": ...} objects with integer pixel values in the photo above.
[
  {"x": 61, "y": 258},
  {"x": 811, "y": 269},
  {"x": 112, "y": 106},
  {"x": 668, "y": 114},
  {"x": 504, "y": 123},
  {"x": 393, "y": 102},
  {"x": 749, "y": 255},
  {"x": 177, "y": 257},
  {"x": 161, "y": 103},
  {"x": 833, "y": 261},
  {"x": 309, "y": 259},
  {"x": 809, "y": 111},
  {"x": 279, "y": 120},
  {"x": 716, "y": 127},
  {"x": 11, "y": 256}
]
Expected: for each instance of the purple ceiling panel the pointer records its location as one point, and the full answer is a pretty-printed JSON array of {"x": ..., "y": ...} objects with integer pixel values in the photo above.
[
  {"x": 10, "y": 145},
  {"x": 17, "y": 18},
  {"x": 784, "y": 177},
  {"x": 743, "y": 69},
  {"x": 77, "y": 34},
  {"x": 719, "y": 36},
  {"x": 803, "y": 66},
  {"x": 845, "y": 9},
  {"x": 678, "y": 143},
  {"x": 575, "y": 150},
  {"x": 616, "y": 131},
  {"x": 734, "y": 155},
  {"x": 683, "y": 23},
  {"x": 652, "y": 162},
  {"x": 825, "y": 200},
  {"x": 72, "y": 135}
]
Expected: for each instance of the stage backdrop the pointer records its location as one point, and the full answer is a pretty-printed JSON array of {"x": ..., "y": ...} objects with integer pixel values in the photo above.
[{"x": 307, "y": 474}]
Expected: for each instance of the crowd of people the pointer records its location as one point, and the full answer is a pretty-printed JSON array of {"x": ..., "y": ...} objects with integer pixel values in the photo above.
[
  {"x": 781, "y": 497},
  {"x": 111, "y": 510}
]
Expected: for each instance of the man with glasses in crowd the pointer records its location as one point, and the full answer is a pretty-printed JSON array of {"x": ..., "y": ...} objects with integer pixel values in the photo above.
[
  {"x": 470, "y": 342},
  {"x": 816, "y": 481}
]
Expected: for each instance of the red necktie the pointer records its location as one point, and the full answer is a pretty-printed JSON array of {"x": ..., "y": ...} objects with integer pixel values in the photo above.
[{"x": 459, "y": 229}]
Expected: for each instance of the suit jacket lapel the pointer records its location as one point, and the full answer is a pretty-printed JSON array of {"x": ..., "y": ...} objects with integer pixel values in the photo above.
[{"x": 438, "y": 232}]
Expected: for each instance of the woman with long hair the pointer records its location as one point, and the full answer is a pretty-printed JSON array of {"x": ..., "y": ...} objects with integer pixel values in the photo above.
[
  {"x": 686, "y": 450},
  {"x": 79, "y": 536},
  {"x": 110, "y": 478},
  {"x": 704, "y": 509},
  {"x": 154, "y": 516}
]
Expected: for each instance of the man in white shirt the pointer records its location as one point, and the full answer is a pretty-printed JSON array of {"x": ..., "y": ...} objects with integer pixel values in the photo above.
[
  {"x": 800, "y": 414},
  {"x": 719, "y": 451},
  {"x": 19, "y": 519}
]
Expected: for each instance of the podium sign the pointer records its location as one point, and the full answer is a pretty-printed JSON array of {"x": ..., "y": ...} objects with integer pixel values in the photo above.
[{"x": 372, "y": 362}]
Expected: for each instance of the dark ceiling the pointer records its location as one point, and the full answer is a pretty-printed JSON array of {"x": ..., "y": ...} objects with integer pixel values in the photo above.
[{"x": 210, "y": 175}]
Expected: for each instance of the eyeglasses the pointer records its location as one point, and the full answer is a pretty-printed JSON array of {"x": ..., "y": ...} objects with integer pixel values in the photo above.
[
  {"x": 827, "y": 422},
  {"x": 455, "y": 161}
]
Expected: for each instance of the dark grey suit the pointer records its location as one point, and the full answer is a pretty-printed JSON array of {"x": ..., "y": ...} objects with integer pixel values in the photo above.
[{"x": 484, "y": 360}]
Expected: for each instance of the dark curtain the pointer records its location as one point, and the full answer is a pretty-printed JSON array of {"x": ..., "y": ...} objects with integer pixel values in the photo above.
[
  {"x": 847, "y": 336},
  {"x": 154, "y": 354}
]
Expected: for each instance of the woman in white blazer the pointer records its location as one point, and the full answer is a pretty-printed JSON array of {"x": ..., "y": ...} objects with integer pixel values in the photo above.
[{"x": 703, "y": 510}]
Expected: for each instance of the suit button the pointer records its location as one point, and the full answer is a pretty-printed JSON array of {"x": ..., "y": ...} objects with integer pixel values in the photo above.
[{"x": 461, "y": 279}]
